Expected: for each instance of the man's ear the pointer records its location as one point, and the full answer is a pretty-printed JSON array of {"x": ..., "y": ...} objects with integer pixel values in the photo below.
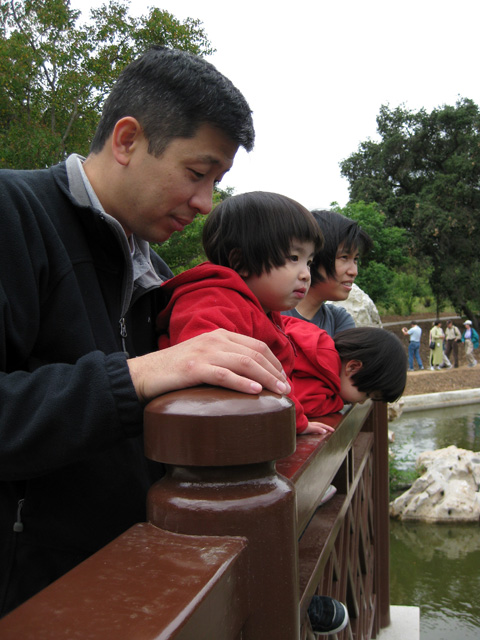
[
  {"x": 352, "y": 366},
  {"x": 126, "y": 134}
]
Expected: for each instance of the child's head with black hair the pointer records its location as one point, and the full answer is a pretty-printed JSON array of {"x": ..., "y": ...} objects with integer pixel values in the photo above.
[
  {"x": 374, "y": 364},
  {"x": 270, "y": 240},
  {"x": 253, "y": 232}
]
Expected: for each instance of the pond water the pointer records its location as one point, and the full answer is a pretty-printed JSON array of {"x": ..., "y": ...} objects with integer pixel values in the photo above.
[{"x": 437, "y": 567}]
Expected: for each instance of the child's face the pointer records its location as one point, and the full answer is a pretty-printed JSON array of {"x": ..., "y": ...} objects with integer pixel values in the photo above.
[
  {"x": 346, "y": 270},
  {"x": 283, "y": 287},
  {"x": 348, "y": 391}
]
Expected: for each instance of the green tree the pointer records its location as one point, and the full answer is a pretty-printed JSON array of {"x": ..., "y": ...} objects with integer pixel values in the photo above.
[
  {"x": 55, "y": 72},
  {"x": 390, "y": 252},
  {"x": 425, "y": 175}
]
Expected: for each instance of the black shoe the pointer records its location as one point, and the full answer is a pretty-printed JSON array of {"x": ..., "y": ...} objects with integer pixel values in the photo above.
[{"x": 327, "y": 615}]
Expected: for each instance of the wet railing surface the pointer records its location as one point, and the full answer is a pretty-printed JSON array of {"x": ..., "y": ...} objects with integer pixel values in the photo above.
[{"x": 236, "y": 543}]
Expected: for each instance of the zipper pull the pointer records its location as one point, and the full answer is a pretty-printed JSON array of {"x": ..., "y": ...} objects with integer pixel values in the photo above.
[
  {"x": 18, "y": 525},
  {"x": 123, "y": 335}
]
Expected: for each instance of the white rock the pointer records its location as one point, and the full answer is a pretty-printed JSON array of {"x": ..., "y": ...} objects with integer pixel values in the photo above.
[
  {"x": 448, "y": 491},
  {"x": 361, "y": 307}
]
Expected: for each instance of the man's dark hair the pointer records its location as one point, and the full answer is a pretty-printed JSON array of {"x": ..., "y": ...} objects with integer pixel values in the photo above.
[
  {"x": 253, "y": 232},
  {"x": 171, "y": 93},
  {"x": 383, "y": 358},
  {"x": 339, "y": 232}
]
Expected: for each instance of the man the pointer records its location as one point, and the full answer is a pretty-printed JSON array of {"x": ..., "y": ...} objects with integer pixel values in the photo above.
[
  {"x": 415, "y": 334},
  {"x": 79, "y": 293},
  {"x": 452, "y": 337}
]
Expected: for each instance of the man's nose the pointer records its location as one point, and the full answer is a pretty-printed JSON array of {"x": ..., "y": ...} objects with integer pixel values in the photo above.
[{"x": 202, "y": 200}]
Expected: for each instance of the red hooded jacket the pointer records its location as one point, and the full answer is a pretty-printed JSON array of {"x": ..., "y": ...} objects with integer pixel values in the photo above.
[{"x": 210, "y": 297}]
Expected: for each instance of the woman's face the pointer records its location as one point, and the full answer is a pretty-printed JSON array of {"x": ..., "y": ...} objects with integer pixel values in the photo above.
[{"x": 338, "y": 287}]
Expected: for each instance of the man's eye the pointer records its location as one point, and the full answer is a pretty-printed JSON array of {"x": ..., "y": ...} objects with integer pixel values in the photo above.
[{"x": 197, "y": 174}]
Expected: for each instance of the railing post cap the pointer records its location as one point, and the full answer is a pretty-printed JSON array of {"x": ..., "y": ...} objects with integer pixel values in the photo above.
[{"x": 212, "y": 426}]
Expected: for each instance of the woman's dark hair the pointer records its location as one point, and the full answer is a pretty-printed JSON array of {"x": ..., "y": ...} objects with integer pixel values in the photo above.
[
  {"x": 383, "y": 358},
  {"x": 253, "y": 232},
  {"x": 338, "y": 232},
  {"x": 171, "y": 93}
]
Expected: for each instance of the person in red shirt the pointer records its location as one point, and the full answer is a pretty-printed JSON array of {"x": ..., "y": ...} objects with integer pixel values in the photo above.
[{"x": 260, "y": 247}]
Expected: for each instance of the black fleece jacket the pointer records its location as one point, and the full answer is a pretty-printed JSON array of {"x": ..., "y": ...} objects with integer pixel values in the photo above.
[{"x": 72, "y": 470}]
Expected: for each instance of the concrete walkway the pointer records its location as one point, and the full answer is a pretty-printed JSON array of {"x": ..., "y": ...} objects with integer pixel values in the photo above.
[
  {"x": 441, "y": 399},
  {"x": 404, "y": 624}
]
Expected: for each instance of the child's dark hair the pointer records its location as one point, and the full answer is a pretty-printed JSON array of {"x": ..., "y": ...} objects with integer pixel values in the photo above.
[
  {"x": 339, "y": 232},
  {"x": 383, "y": 358},
  {"x": 253, "y": 232}
]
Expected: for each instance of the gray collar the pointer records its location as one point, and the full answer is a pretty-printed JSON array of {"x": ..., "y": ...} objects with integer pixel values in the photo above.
[{"x": 141, "y": 273}]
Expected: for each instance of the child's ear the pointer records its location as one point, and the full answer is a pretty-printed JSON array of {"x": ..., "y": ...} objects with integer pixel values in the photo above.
[
  {"x": 235, "y": 260},
  {"x": 352, "y": 366}
]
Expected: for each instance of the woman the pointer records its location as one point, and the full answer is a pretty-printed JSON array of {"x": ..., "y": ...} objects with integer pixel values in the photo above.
[
  {"x": 470, "y": 340},
  {"x": 333, "y": 272},
  {"x": 436, "y": 338}
]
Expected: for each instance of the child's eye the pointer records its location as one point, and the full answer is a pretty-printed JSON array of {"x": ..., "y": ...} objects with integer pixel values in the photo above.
[
  {"x": 309, "y": 263},
  {"x": 293, "y": 258}
]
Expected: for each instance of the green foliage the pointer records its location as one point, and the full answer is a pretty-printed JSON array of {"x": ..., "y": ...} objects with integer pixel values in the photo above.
[
  {"x": 400, "y": 479},
  {"x": 380, "y": 267},
  {"x": 183, "y": 250},
  {"x": 55, "y": 72},
  {"x": 424, "y": 174},
  {"x": 407, "y": 288}
]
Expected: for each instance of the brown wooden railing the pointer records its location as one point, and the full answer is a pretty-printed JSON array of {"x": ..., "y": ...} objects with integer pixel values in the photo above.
[{"x": 236, "y": 544}]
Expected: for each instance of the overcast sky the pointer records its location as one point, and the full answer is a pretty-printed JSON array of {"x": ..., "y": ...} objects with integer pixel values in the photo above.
[{"x": 315, "y": 74}]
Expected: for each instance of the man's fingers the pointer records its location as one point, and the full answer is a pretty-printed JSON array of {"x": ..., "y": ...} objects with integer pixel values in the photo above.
[{"x": 218, "y": 358}]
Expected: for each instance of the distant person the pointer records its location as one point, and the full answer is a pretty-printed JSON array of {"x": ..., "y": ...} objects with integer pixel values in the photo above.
[
  {"x": 436, "y": 337},
  {"x": 470, "y": 340},
  {"x": 415, "y": 334},
  {"x": 452, "y": 338},
  {"x": 333, "y": 272}
]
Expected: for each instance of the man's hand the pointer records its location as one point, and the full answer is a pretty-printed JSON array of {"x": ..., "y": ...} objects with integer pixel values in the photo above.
[{"x": 220, "y": 358}]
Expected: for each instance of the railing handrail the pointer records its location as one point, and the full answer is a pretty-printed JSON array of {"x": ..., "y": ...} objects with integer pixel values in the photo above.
[{"x": 245, "y": 575}]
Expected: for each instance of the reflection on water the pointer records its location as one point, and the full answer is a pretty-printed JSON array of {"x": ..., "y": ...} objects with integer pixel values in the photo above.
[
  {"x": 420, "y": 431},
  {"x": 437, "y": 567}
]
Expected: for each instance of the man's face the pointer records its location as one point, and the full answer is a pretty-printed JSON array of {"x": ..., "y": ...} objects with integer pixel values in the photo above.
[{"x": 162, "y": 195}]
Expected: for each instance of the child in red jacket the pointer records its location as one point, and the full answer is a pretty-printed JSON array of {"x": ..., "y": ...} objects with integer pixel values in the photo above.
[{"x": 260, "y": 246}]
